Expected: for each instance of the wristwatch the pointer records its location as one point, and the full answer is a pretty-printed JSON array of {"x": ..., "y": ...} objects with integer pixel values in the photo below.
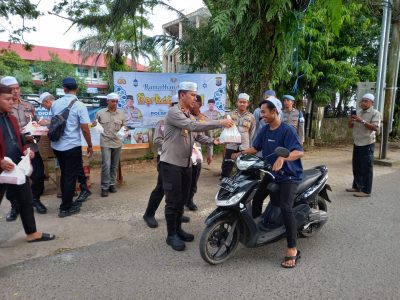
[{"x": 363, "y": 122}]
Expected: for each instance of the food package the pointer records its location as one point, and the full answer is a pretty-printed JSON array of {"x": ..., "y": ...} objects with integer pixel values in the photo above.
[
  {"x": 25, "y": 164},
  {"x": 121, "y": 133},
  {"x": 15, "y": 176},
  {"x": 98, "y": 128},
  {"x": 197, "y": 156},
  {"x": 230, "y": 135},
  {"x": 33, "y": 128}
]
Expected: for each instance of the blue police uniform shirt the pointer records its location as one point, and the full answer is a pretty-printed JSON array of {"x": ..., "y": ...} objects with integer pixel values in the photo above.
[
  {"x": 283, "y": 136},
  {"x": 77, "y": 115}
]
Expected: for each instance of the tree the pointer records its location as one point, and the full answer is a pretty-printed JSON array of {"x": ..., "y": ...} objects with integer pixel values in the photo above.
[
  {"x": 26, "y": 11},
  {"x": 11, "y": 64},
  {"x": 155, "y": 65},
  {"x": 54, "y": 71}
]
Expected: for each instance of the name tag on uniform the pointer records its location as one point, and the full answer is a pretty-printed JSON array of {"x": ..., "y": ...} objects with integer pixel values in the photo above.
[{"x": 185, "y": 132}]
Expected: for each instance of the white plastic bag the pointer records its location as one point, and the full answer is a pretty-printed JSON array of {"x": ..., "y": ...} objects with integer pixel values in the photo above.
[
  {"x": 230, "y": 135},
  {"x": 15, "y": 176},
  {"x": 98, "y": 128},
  {"x": 25, "y": 164},
  {"x": 121, "y": 133},
  {"x": 30, "y": 127},
  {"x": 197, "y": 156}
]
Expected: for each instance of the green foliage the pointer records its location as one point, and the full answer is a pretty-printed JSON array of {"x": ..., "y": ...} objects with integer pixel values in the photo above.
[
  {"x": 13, "y": 65},
  {"x": 155, "y": 65},
  {"x": 54, "y": 71}
]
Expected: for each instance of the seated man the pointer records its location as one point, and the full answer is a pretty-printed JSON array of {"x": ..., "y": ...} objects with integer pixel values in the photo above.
[
  {"x": 273, "y": 135},
  {"x": 11, "y": 146}
]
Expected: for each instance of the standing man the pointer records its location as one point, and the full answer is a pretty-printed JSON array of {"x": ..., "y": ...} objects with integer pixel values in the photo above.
[
  {"x": 68, "y": 149},
  {"x": 292, "y": 116},
  {"x": 25, "y": 112},
  {"x": 246, "y": 124},
  {"x": 365, "y": 124},
  {"x": 273, "y": 135},
  {"x": 11, "y": 146},
  {"x": 196, "y": 169},
  {"x": 257, "y": 112},
  {"x": 175, "y": 160},
  {"x": 112, "y": 119},
  {"x": 158, "y": 192}
]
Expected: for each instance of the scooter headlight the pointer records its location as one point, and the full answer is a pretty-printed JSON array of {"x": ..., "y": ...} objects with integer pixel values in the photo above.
[
  {"x": 230, "y": 201},
  {"x": 244, "y": 165}
]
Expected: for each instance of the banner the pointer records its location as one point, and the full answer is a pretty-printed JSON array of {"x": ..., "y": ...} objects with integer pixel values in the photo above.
[{"x": 145, "y": 97}]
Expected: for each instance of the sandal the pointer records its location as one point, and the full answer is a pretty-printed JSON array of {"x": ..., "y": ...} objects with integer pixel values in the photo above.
[
  {"x": 44, "y": 238},
  {"x": 287, "y": 258}
]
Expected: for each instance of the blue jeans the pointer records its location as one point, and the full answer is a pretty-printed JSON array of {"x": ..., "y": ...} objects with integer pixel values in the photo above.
[{"x": 109, "y": 164}]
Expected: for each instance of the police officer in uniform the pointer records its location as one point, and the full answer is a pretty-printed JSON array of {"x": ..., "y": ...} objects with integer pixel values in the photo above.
[
  {"x": 292, "y": 116},
  {"x": 246, "y": 124},
  {"x": 175, "y": 160},
  {"x": 24, "y": 112}
]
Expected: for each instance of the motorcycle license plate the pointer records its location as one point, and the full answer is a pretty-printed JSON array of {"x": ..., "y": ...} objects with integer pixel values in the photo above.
[{"x": 229, "y": 184}]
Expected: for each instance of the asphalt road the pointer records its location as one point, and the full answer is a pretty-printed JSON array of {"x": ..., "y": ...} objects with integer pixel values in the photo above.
[{"x": 355, "y": 256}]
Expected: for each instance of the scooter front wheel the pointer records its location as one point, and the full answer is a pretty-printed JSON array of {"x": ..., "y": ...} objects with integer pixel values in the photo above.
[{"x": 219, "y": 241}]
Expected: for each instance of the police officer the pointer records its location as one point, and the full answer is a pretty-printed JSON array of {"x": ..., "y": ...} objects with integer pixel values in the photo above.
[
  {"x": 292, "y": 116},
  {"x": 246, "y": 124},
  {"x": 25, "y": 112},
  {"x": 175, "y": 160}
]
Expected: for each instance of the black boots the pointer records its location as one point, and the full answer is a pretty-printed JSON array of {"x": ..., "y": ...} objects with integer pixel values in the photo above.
[
  {"x": 40, "y": 208},
  {"x": 12, "y": 215},
  {"x": 84, "y": 194},
  {"x": 150, "y": 221},
  {"x": 176, "y": 235},
  {"x": 175, "y": 242},
  {"x": 190, "y": 205}
]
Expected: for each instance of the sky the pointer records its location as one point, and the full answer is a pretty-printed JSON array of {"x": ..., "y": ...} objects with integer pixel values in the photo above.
[{"x": 51, "y": 30}]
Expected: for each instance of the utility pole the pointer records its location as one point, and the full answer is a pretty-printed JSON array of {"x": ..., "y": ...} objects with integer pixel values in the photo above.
[{"x": 391, "y": 84}]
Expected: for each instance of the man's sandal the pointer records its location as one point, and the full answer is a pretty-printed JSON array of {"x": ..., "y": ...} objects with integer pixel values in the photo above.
[{"x": 287, "y": 258}]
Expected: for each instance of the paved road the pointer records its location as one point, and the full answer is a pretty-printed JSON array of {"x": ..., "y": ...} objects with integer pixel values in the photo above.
[{"x": 355, "y": 256}]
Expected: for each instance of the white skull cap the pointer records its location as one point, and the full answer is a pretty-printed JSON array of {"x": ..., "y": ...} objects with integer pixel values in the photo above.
[
  {"x": 244, "y": 96},
  {"x": 9, "y": 80},
  {"x": 187, "y": 86},
  {"x": 112, "y": 96},
  {"x": 369, "y": 96}
]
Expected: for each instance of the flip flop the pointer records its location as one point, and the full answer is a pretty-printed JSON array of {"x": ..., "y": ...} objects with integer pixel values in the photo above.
[
  {"x": 44, "y": 238},
  {"x": 287, "y": 258}
]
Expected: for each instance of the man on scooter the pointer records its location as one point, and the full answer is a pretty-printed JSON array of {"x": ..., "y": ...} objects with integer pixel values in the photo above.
[{"x": 288, "y": 171}]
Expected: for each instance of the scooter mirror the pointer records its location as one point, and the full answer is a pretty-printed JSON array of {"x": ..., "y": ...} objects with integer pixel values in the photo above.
[{"x": 282, "y": 152}]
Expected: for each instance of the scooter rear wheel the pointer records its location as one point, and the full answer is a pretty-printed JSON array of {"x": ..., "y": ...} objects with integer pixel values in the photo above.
[{"x": 219, "y": 241}]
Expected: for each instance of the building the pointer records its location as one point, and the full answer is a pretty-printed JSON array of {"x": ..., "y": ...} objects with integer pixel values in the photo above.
[
  {"x": 171, "y": 62},
  {"x": 91, "y": 70}
]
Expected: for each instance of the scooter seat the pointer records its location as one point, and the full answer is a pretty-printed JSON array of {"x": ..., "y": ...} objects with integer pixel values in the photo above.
[{"x": 310, "y": 176}]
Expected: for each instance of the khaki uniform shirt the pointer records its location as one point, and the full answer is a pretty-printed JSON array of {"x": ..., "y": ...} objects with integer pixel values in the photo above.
[
  {"x": 133, "y": 115},
  {"x": 23, "y": 111},
  {"x": 246, "y": 124},
  {"x": 295, "y": 118},
  {"x": 180, "y": 134},
  {"x": 363, "y": 136},
  {"x": 158, "y": 137},
  {"x": 112, "y": 121},
  {"x": 212, "y": 114},
  {"x": 209, "y": 147}
]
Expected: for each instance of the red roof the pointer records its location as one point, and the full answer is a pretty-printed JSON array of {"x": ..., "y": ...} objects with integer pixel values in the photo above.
[{"x": 41, "y": 53}]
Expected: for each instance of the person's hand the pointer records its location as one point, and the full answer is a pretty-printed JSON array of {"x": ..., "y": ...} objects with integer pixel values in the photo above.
[
  {"x": 89, "y": 151},
  {"x": 43, "y": 122},
  {"x": 31, "y": 153},
  {"x": 235, "y": 155},
  {"x": 356, "y": 118},
  {"x": 278, "y": 164},
  {"x": 217, "y": 141},
  {"x": 6, "y": 165},
  {"x": 209, "y": 160},
  {"x": 94, "y": 123},
  {"x": 226, "y": 122}
]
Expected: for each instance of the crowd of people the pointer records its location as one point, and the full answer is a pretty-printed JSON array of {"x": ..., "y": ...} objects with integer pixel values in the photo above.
[{"x": 178, "y": 137}]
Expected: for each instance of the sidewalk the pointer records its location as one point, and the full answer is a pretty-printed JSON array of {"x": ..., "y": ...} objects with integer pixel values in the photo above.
[{"x": 120, "y": 215}]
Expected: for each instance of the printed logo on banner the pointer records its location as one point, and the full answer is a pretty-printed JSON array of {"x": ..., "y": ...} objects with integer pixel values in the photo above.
[
  {"x": 121, "y": 80},
  {"x": 173, "y": 79}
]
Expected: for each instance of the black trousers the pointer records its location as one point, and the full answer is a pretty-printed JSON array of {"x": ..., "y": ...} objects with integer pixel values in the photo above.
[
  {"x": 37, "y": 176},
  {"x": 363, "y": 161},
  {"x": 196, "y": 170},
  {"x": 71, "y": 168},
  {"x": 23, "y": 197},
  {"x": 283, "y": 198},
  {"x": 157, "y": 194},
  {"x": 227, "y": 166},
  {"x": 176, "y": 183},
  {"x": 37, "y": 182}
]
